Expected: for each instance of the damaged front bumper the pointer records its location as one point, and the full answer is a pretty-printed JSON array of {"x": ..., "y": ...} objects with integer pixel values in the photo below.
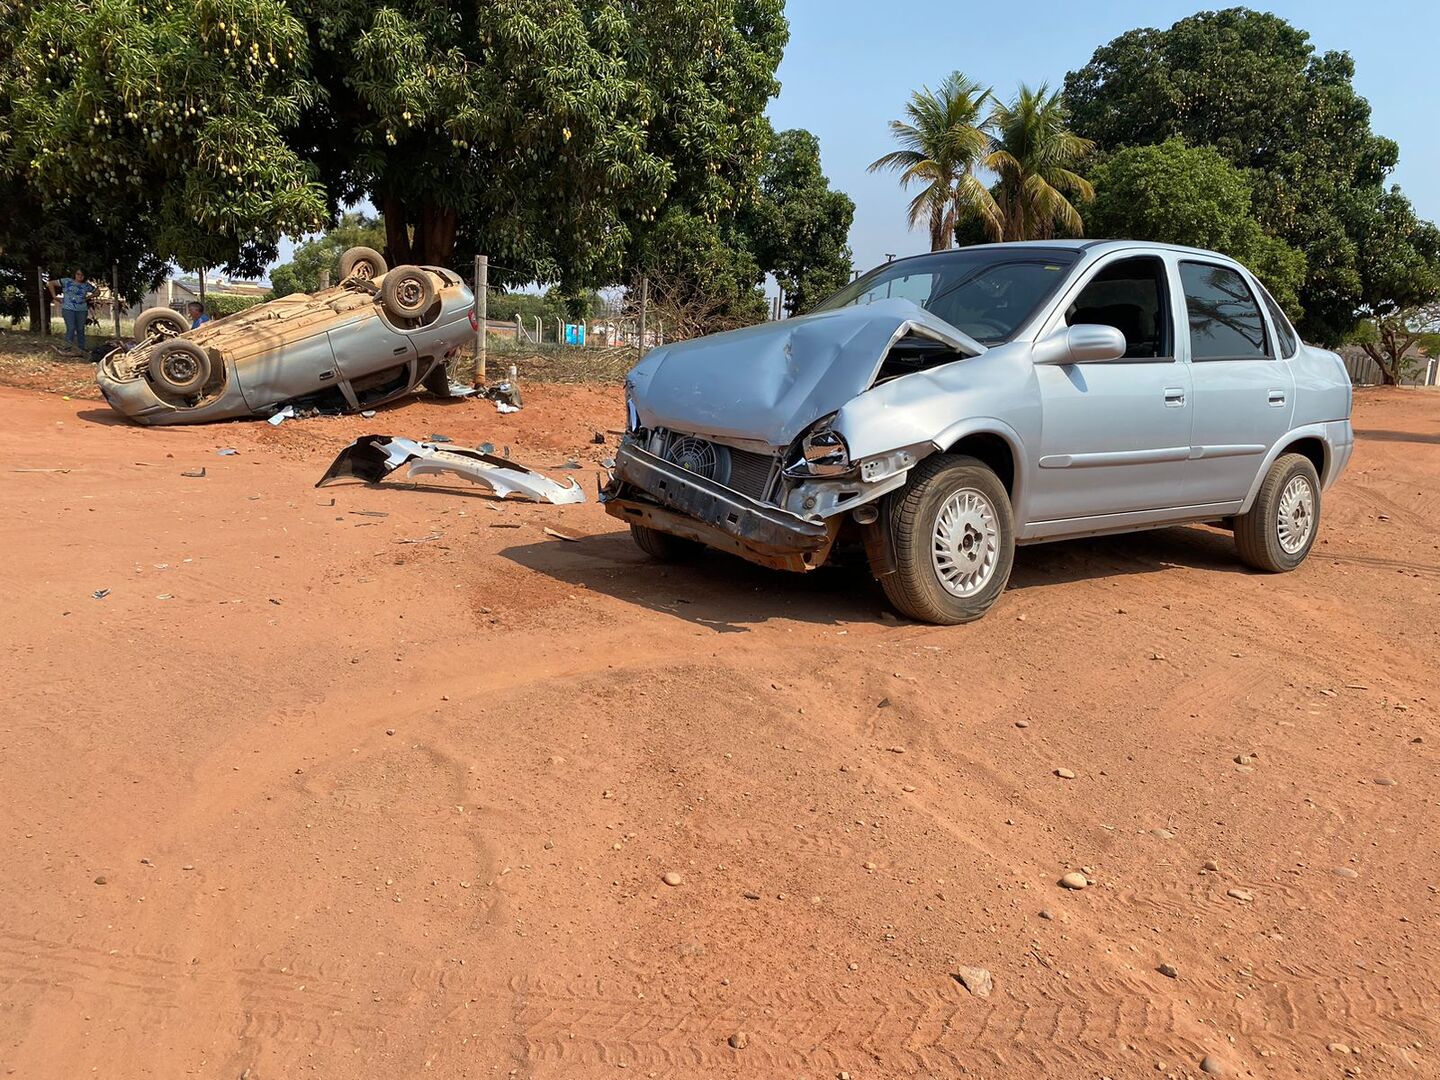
[
  {"x": 648, "y": 490},
  {"x": 371, "y": 458}
]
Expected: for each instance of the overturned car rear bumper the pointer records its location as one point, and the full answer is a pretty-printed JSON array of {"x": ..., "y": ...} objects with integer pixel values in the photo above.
[{"x": 650, "y": 491}]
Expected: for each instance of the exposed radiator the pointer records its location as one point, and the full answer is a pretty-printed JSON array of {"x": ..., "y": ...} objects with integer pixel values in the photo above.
[{"x": 750, "y": 473}]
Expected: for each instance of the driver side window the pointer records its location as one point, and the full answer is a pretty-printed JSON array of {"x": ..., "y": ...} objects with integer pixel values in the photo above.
[{"x": 1130, "y": 295}]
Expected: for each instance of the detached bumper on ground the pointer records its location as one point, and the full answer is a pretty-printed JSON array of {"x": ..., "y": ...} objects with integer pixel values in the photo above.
[{"x": 648, "y": 490}]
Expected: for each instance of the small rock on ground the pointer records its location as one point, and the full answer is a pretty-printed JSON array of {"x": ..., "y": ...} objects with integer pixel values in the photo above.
[
  {"x": 1170, "y": 971},
  {"x": 1240, "y": 894},
  {"x": 975, "y": 979},
  {"x": 739, "y": 1040},
  {"x": 672, "y": 879},
  {"x": 1212, "y": 1065},
  {"x": 1345, "y": 872},
  {"x": 1339, "y": 1048},
  {"x": 1065, "y": 774},
  {"x": 1073, "y": 880}
]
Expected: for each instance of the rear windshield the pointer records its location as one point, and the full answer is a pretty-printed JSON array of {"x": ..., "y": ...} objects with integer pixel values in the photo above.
[{"x": 988, "y": 292}]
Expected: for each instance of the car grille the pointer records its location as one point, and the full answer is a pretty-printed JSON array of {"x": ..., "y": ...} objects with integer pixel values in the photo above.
[
  {"x": 744, "y": 471},
  {"x": 750, "y": 473}
]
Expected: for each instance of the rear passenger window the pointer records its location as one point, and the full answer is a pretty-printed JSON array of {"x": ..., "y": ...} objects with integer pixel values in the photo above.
[
  {"x": 1225, "y": 321},
  {"x": 1289, "y": 342}
]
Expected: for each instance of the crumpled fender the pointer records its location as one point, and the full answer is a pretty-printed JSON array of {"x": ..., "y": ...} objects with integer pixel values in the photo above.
[{"x": 372, "y": 458}]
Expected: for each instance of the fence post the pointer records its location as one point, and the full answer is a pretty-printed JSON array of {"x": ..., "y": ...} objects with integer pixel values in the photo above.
[
  {"x": 644, "y": 303},
  {"x": 324, "y": 278},
  {"x": 44, "y": 302},
  {"x": 519, "y": 330},
  {"x": 539, "y": 334},
  {"x": 482, "y": 314},
  {"x": 115, "y": 296}
]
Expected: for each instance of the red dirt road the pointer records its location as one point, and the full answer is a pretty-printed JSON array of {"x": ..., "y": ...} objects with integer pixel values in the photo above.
[{"x": 299, "y": 798}]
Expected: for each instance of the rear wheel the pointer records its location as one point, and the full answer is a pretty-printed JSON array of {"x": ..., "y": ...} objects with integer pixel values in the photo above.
[
  {"x": 1279, "y": 529},
  {"x": 954, "y": 536},
  {"x": 663, "y": 546},
  {"x": 361, "y": 262},
  {"x": 159, "y": 322},
  {"x": 180, "y": 367}
]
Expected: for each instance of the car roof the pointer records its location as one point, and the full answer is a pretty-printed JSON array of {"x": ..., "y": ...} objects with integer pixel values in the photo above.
[{"x": 1096, "y": 247}]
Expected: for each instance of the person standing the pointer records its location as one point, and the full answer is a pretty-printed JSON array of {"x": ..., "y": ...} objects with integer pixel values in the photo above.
[
  {"x": 74, "y": 295},
  {"x": 198, "y": 317}
]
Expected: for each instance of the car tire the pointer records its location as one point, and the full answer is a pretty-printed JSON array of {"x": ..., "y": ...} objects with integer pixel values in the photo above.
[
  {"x": 953, "y": 532},
  {"x": 362, "y": 262},
  {"x": 180, "y": 367},
  {"x": 663, "y": 546},
  {"x": 1278, "y": 531},
  {"x": 407, "y": 292},
  {"x": 161, "y": 322}
]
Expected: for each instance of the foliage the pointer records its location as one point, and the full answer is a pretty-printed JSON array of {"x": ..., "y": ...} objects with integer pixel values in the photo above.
[
  {"x": 551, "y": 135},
  {"x": 1179, "y": 194},
  {"x": 1400, "y": 272},
  {"x": 1035, "y": 156},
  {"x": 173, "y": 116},
  {"x": 1252, "y": 86},
  {"x": 702, "y": 277},
  {"x": 302, "y": 272},
  {"x": 220, "y": 305},
  {"x": 943, "y": 139},
  {"x": 798, "y": 226}
]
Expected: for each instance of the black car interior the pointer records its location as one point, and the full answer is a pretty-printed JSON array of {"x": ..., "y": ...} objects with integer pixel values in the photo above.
[{"x": 1131, "y": 296}]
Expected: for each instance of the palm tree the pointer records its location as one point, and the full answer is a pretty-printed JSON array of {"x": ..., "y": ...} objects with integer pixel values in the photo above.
[
  {"x": 1035, "y": 155},
  {"x": 943, "y": 140}
]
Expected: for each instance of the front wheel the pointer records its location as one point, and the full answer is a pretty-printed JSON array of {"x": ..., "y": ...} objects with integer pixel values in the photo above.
[
  {"x": 954, "y": 535},
  {"x": 1279, "y": 529},
  {"x": 663, "y": 546}
]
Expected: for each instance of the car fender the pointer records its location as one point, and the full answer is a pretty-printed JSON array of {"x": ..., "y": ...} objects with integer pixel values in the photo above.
[
  {"x": 993, "y": 425},
  {"x": 1335, "y": 455}
]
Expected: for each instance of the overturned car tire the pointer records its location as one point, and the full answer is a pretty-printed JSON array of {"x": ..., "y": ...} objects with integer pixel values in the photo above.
[
  {"x": 180, "y": 367},
  {"x": 954, "y": 536},
  {"x": 159, "y": 322},
  {"x": 407, "y": 292},
  {"x": 362, "y": 262}
]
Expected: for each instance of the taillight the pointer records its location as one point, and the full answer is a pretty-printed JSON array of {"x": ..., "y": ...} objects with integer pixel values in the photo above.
[{"x": 474, "y": 322}]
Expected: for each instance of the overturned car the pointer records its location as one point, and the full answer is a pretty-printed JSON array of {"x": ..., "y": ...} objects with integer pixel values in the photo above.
[
  {"x": 372, "y": 338},
  {"x": 945, "y": 407}
]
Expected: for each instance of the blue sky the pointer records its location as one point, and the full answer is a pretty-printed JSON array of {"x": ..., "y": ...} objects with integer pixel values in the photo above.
[{"x": 850, "y": 67}]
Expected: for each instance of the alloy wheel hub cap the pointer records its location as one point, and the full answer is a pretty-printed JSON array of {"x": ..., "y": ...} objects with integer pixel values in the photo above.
[{"x": 965, "y": 543}]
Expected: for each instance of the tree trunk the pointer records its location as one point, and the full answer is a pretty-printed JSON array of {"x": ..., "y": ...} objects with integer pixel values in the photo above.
[
  {"x": 37, "y": 304},
  {"x": 423, "y": 239}
]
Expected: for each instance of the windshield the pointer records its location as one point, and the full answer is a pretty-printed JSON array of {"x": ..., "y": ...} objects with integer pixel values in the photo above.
[{"x": 988, "y": 292}]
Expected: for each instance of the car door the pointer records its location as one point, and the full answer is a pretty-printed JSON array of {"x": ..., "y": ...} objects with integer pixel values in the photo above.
[
  {"x": 1114, "y": 434},
  {"x": 1243, "y": 391},
  {"x": 369, "y": 351}
]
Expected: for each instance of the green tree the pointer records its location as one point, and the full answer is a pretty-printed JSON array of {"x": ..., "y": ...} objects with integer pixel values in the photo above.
[
  {"x": 1035, "y": 156},
  {"x": 703, "y": 276},
  {"x": 302, "y": 272},
  {"x": 1399, "y": 265},
  {"x": 1252, "y": 86},
  {"x": 798, "y": 227},
  {"x": 943, "y": 139},
  {"x": 551, "y": 134},
  {"x": 1179, "y": 194}
]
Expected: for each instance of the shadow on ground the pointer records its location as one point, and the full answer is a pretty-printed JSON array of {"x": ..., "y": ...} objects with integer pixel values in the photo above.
[{"x": 730, "y": 595}]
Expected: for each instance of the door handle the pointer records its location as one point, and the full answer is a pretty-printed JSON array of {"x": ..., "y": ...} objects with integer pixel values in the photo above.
[
  {"x": 1174, "y": 397},
  {"x": 1277, "y": 398},
  {"x": 398, "y": 351}
]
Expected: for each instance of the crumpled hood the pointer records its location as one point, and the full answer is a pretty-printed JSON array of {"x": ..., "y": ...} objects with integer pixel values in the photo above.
[{"x": 768, "y": 383}]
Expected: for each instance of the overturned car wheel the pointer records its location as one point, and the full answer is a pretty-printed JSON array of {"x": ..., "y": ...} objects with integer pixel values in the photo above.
[
  {"x": 407, "y": 292},
  {"x": 954, "y": 537},
  {"x": 663, "y": 546},
  {"x": 180, "y": 367},
  {"x": 361, "y": 262},
  {"x": 159, "y": 322}
]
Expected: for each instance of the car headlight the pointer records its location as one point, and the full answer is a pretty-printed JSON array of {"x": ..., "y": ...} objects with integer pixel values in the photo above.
[{"x": 821, "y": 451}]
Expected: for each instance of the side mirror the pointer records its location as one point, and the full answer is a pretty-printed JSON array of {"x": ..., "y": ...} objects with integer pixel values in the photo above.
[{"x": 1084, "y": 343}]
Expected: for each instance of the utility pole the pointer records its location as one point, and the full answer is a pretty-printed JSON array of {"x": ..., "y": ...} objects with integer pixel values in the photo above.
[
  {"x": 482, "y": 313},
  {"x": 644, "y": 302}
]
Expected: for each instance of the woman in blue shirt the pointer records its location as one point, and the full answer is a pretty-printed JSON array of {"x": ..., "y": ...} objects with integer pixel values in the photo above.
[{"x": 74, "y": 294}]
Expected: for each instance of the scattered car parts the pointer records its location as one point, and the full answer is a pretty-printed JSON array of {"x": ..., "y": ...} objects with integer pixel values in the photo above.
[{"x": 372, "y": 458}]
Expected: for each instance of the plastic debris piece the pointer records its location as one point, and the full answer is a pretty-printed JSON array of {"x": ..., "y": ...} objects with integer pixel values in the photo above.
[
  {"x": 100, "y": 594},
  {"x": 287, "y": 413},
  {"x": 226, "y": 451},
  {"x": 197, "y": 473}
]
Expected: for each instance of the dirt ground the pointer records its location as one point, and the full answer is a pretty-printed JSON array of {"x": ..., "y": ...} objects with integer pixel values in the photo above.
[{"x": 384, "y": 781}]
